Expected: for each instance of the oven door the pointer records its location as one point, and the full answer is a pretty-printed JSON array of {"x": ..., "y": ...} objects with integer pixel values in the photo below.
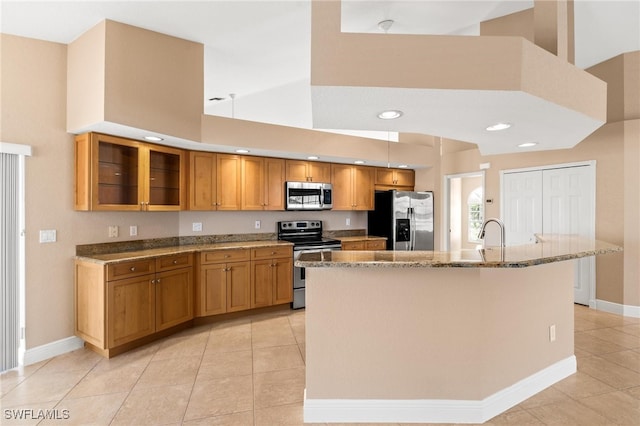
[{"x": 299, "y": 274}]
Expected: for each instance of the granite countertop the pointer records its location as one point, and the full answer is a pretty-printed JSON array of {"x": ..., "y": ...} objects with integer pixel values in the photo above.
[
  {"x": 360, "y": 238},
  {"x": 550, "y": 248},
  {"x": 180, "y": 249}
]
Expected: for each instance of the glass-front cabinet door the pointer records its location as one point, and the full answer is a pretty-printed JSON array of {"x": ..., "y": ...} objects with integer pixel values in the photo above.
[{"x": 121, "y": 174}]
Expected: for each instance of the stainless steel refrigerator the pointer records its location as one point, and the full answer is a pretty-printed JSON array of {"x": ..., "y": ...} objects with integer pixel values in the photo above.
[{"x": 405, "y": 218}]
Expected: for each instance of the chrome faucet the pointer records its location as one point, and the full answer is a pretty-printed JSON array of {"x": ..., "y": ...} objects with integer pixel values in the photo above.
[{"x": 499, "y": 223}]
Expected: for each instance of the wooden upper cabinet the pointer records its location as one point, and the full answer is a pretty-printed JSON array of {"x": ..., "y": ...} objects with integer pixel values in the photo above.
[
  {"x": 353, "y": 187},
  {"x": 202, "y": 181},
  {"x": 387, "y": 178},
  {"x": 308, "y": 171},
  {"x": 262, "y": 183},
  {"x": 229, "y": 181},
  {"x": 115, "y": 173}
]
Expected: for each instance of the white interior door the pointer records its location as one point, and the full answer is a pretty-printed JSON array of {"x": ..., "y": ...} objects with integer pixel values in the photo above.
[
  {"x": 567, "y": 209},
  {"x": 557, "y": 200},
  {"x": 522, "y": 206}
]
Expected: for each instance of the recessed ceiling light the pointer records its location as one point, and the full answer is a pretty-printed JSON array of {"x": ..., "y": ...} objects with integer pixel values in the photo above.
[
  {"x": 242, "y": 151},
  {"x": 527, "y": 144},
  {"x": 153, "y": 138},
  {"x": 390, "y": 114},
  {"x": 359, "y": 162},
  {"x": 403, "y": 166},
  {"x": 312, "y": 157},
  {"x": 498, "y": 126}
]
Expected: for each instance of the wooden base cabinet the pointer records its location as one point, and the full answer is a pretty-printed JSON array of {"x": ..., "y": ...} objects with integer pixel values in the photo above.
[
  {"x": 365, "y": 244},
  {"x": 119, "y": 303},
  {"x": 224, "y": 283},
  {"x": 272, "y": 276},
  {"x": 240, "y": 279}
]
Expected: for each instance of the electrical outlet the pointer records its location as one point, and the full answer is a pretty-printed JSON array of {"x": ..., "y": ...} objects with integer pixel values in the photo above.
[
  {"x": 133, "y": 230},
  {"x": 348, "y": 221},
  {"x": 113, "y": 231},
  {"x": 552, "y": 333},
  {"x": 196, "y": 226},
  {"x": 257, "y": 225}
]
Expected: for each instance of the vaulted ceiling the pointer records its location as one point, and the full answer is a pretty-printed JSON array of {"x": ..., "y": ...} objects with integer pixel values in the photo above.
[{"x": 260, "y": 50}]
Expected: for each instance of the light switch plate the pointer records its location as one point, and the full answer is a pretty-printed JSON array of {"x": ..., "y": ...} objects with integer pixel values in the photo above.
[
  {"x": 133, "y": 230},
  {"x": 196, "y": 226},
  {"x": 48, "y": 236},
  {"x": 113, "y": 231}
]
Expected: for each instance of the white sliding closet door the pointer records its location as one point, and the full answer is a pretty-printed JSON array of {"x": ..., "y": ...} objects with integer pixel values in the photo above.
[
  {"x": 522, "y": 206},
  {"x": 553, "y": 201},
  {"x": 568, "y": 199}
]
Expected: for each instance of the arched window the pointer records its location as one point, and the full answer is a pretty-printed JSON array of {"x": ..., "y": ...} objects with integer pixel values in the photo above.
[{"x": 475, "y": 214}]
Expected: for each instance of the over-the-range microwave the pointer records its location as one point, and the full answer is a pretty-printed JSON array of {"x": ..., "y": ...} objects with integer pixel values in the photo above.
[{"x": 308, "y": 196}]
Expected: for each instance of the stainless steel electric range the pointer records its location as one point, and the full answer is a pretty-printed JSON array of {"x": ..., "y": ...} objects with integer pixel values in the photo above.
[{"x": 306, "y": 236}]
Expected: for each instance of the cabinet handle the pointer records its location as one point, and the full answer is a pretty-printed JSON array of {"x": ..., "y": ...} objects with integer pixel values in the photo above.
[
  {"x": 132, "y": 269},
  {"x": 273, "y": 252},
  {"x": 175, "y": 262},
  {"x": 153, "y": 281},
  {"x": 158, "y": 281}
]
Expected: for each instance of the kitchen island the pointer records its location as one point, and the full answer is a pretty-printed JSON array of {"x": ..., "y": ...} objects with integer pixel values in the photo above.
[{"x": 436, "y": 337}]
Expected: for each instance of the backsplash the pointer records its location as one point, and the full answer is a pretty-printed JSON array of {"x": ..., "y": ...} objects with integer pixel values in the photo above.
[{"x": 125, "y": 246}]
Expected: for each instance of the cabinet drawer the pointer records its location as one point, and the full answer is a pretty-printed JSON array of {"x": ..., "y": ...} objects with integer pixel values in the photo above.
[
  {"x": 271, "y": 252},
  {"x": 376, "y": 245},
  {"x": 222, "y": 255},
  {"x": 116, "y": 271},
  {"x": 167, "y": 263},
  {"x": 353, "y": 245}
]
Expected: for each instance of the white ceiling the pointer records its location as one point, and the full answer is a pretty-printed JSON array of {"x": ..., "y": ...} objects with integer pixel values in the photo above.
[{"x": 260, "y": 50}]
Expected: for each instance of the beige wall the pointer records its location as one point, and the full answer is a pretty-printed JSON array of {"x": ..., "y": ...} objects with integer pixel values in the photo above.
[
  {"x": 377, "y": 341},
  {"x": 135, "y": 77},
  {"x": 33, "y": 112},
  {"x": 33, "y": 99}
]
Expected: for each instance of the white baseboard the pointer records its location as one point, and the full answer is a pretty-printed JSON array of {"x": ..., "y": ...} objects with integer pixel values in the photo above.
[
  {"x": 49, "y": 350},
  {"x": 618, "y": 308},
  {"x": 435, "y": 411}
]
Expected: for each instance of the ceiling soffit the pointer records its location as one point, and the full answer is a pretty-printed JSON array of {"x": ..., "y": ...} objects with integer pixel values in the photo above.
[{"x": 450, "y": 86}]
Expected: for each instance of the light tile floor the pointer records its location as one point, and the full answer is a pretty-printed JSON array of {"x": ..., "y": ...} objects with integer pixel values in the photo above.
[{"x": 251, "y": 372}]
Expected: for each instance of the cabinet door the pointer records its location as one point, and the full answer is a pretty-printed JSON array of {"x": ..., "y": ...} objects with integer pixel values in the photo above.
[
  {"x": 253, "y": 186},
  {"x": 130, "y": 309},
  {"x": 262, "y": 288},
  {"x": 165, "y": 183},
  {"x": 282, "y": 281},
  {"x": 115, "y": 176},
  {"x": 405, "y": 178},
  {"x": 228, "y": 181},
  {"x": 238, "y": 286},
  {"x": 296, "y": 171},
  {"x": 212, "y": 290},
  {"x": 342, "y": 187},
  {"x": 363, "y": 188},
  {"x": 376, "y": 245},
  {"x": 274, "y": 183},
  {"x": 174, "y": 298},
  {"x": 202, "y": 181},
  {"x": 385, "y": 176},
  {"x": 319, "y": 171},
  {"x": 353, "y": 245}
]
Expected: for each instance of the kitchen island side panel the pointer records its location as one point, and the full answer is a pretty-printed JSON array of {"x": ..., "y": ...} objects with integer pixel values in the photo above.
[{"x": 433, "y": 333}]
